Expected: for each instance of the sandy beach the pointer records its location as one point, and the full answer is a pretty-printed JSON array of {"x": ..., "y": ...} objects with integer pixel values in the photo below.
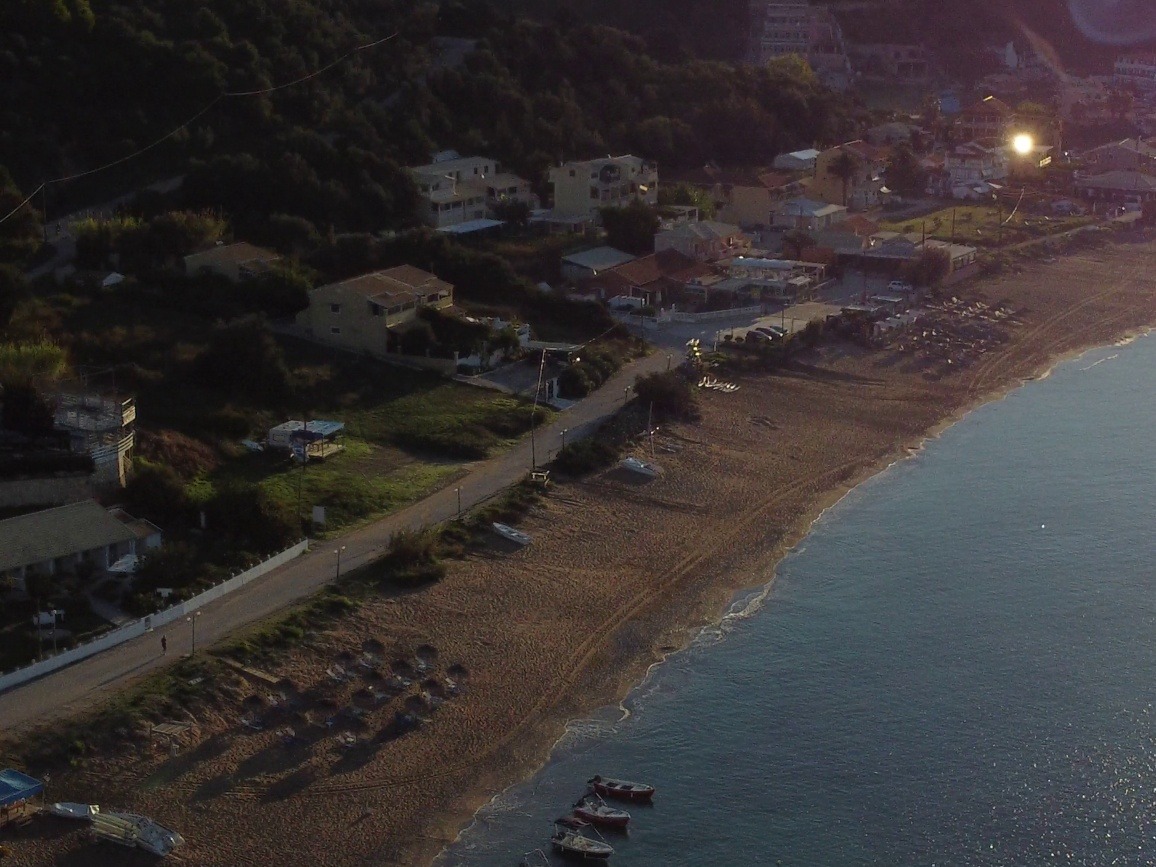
[{"x": 512, "y": 643}]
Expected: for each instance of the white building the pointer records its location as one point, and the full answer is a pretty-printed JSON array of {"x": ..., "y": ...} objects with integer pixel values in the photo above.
[
  {"x": 809, "y": 215},
  {"x": 1136, "y": 70},
  {"x": 797, "y": 161},
  {"x": 460, "y": 189}
]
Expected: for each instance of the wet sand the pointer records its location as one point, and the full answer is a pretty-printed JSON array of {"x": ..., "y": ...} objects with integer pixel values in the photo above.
[{"x": 512, "y": 643}]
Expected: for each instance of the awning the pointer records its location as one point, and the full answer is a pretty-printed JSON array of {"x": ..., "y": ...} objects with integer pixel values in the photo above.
[
  {"x": 16, "y": 787},
  {"x": 126, "y": 565},
  {"x": 470, "y": 226}
]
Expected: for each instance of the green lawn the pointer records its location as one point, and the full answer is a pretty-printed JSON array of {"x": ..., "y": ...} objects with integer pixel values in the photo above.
[
  {"x": 979, "y": 225},
  {"x": 406, "y": 432}
]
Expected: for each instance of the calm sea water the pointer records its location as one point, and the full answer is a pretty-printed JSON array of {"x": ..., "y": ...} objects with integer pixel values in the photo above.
[{"x": 957, "y": 667}]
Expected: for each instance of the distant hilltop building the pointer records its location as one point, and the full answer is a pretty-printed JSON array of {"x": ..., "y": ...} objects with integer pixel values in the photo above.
[
  {"x": 1136, "y": 71},
  {"x": 779, "y": 28}
]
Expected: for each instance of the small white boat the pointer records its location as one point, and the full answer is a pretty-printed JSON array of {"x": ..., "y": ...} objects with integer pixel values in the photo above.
[
  {"x": 637, "y": 465},
  {"x": 508, "y": 532},
  {"x": 129, "y": 829},
  {"x": 69, "y": 810}
]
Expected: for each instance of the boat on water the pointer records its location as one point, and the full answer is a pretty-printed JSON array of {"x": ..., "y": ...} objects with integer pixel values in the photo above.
[
  {"x": 622, "y": 790},
  {"x": 594, "y": 810},
  {"x": 69, "y": 810},
  {"x": 508, "y": 532},
  {"x": 572, "y": 844},
  {"x": 637, "y": 465}
]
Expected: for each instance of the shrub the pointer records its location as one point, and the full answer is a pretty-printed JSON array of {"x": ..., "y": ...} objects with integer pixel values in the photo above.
[
  {"x": 671, "y": 395},
  {"x": 585, "y": 456}
]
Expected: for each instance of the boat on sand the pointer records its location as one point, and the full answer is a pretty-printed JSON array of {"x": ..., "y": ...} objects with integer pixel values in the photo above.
[
  {"x": 622, "y": 790},
  {"x": 69, "y": 810},
  {"x": 508, "y": 532},
  {"x": 637, "y": 465}
]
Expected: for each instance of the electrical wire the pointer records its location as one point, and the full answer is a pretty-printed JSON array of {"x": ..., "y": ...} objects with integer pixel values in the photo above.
[{"x": 225, "y": 95}]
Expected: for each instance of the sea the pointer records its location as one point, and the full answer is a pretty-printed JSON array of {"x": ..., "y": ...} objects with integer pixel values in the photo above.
[{"x": 957, "y": 666}]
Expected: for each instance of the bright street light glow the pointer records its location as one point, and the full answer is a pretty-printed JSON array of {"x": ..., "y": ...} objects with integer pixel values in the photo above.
[{"x": 1022, "y": 143}]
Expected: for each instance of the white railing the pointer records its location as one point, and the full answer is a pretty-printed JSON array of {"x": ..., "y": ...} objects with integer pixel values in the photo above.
[{"x": 137, "y": 628}]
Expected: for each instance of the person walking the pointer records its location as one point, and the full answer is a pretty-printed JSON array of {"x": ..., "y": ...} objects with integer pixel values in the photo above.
[{"x": 164, "y": 645}]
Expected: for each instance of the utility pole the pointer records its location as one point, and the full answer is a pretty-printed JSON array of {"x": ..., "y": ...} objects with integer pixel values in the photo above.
[
  {"x": 44, "y": 210},
  {"x": 953, "y": 225}
]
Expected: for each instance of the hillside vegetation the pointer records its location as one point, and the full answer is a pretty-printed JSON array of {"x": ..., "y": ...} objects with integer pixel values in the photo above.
[{"x": 89, "y": 83}]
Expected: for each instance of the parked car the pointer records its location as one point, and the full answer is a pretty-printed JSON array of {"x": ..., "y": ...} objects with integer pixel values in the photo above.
[
  {"x": 899, "y": 286},
  {"x": 779, "y": 330},
  {"x": 769, "y": 333}
]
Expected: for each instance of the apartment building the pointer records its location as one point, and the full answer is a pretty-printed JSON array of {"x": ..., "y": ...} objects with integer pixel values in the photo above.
[{"x": 581, "y": 188}]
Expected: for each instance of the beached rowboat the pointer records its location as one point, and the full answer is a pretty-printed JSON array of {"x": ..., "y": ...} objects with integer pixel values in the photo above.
[
  {"x": 623, "y": 790},
  {"x": 68, "y": 810},
  {"x": 572, "y": 845},
  {"x": 597, "y": 812},
  {"x": 508, "y": 532},
  {"x": 637, "y": 465}
]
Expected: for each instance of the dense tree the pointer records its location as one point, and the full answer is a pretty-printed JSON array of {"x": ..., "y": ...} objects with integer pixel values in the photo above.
[
  {"x": 21, "y": 233},
  {"x": 904, "y": 173},
  {"x": 928, "y": 269},
  {"x": 631, "y": 228},
  {"x": 844, "y": 167},
  {"x": 243, "y": 358}
]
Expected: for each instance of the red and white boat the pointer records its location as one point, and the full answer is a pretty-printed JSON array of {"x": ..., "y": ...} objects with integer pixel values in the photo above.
[
  {"x": 597, "y": 812},
  {"x": 622, "y": 790}
]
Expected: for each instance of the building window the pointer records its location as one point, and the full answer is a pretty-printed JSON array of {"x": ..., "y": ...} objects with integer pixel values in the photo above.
[
  {"x": 594, "y": 193},
  {"x": 333, "y": 329},
  {"x": 334, "y": 308}
]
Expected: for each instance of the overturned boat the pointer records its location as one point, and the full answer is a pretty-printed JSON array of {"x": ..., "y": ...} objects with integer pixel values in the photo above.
[{"x": 129, "y": 829}]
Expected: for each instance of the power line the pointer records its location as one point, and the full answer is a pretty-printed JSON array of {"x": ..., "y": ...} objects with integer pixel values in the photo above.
[{"x": 225, "y": 95}]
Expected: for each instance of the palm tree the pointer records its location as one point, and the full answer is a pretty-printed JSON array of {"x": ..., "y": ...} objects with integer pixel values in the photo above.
[{"x": 844, "y": 167}]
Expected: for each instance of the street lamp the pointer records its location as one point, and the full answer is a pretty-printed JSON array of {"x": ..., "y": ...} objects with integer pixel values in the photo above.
[
  {"x": 338, "y": 553},
  {"x": 625, "y": 395},
  {"x": 192, "y": 619}
]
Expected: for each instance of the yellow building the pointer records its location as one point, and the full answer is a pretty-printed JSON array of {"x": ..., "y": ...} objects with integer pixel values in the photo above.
[
  {"x": 580, "y": 189},
  {"x": 361, "y": 314},
  {"x": 849, "y": 174}
]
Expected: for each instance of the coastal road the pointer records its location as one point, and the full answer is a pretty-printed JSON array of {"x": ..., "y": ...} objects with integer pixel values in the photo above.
[{"x": 84, "y": 684}]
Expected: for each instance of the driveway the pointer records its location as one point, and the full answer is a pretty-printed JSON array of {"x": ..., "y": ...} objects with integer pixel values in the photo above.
[{"x": 82, "y": 685}]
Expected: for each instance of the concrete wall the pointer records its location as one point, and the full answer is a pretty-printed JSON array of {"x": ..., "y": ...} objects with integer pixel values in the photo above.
[{"x": 137, "y": 628}]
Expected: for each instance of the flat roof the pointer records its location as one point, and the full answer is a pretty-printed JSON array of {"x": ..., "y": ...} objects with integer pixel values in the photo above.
[
  {"x": 320, "y": 427},
  {"x": 65, "y": 530},
  {"x": 599, "y": 259},
  {"x": 470, "y": 226}
]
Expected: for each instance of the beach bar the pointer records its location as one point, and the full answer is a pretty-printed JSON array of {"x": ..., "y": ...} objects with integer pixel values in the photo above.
[{"x": 16, "y": 793}]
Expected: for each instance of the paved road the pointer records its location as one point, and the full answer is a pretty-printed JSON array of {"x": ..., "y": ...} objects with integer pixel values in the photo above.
[{"x": 81, "y": 685}]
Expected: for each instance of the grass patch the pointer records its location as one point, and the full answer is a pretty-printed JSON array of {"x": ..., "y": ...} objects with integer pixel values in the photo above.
[{"x": 979, "y": 225}]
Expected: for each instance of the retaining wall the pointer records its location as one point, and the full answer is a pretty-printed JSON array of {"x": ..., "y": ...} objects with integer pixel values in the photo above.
[{"x": 137, "y": 628}]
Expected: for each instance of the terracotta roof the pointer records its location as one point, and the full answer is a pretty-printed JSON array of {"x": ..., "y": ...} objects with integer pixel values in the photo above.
[
  {"x": 1129, "y": 181},
  {"x": 403, "y": 283},
  {"x": 708, "y": 175},
  {"x": 239, "y": 253},
  {"x": 990, "y": 104},
  {"x": 860, "y": 225}
]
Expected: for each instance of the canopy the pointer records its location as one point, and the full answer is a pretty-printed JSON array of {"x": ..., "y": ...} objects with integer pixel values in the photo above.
[
  {"x": 126, "y": 565},
  {"x": 16, "y": 787}
]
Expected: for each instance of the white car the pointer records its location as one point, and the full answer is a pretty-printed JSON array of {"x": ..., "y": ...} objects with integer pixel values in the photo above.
[{"x": 899, "y": 286}]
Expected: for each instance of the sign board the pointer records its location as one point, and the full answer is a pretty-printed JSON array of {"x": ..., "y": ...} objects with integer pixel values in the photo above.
[{"x": 318, "y": 514}]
